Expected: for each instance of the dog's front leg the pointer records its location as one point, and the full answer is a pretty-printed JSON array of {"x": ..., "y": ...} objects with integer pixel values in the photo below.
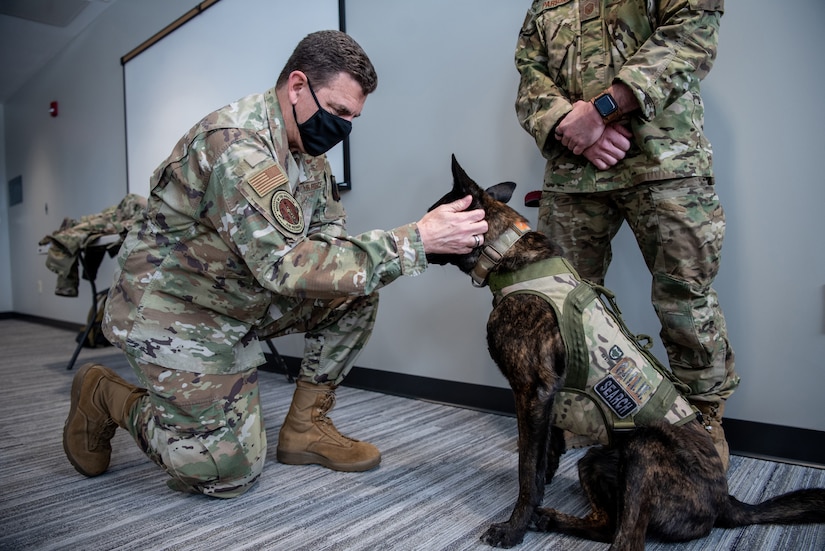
[
  {"x": 597, "y": 475},
  {"x": 637, "y": 489},
  {"x": 532, "y": 414},
  {"x": 555, "y": 449}
]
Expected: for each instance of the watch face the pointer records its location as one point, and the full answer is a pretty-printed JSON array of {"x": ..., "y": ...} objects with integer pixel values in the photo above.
[{"x": 605, "y": 105}]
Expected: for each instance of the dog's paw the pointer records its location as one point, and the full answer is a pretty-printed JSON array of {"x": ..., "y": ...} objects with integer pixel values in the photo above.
[
  {"x": 544, "y": 520},
  {"x": 502, "y": 535}
]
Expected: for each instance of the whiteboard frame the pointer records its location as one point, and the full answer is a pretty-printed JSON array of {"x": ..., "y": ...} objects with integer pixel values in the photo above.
[{"x": 179, "y": 75}]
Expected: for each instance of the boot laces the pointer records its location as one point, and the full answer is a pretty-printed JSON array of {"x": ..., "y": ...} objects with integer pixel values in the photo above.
[
  {"x": 325, "y": 407},
  {"x": 711, "y": 417},
  {"x": 327, "y": 404}
]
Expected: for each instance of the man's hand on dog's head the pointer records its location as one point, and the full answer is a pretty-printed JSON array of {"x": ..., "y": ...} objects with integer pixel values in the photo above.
[{"x": 451, "y": 229}]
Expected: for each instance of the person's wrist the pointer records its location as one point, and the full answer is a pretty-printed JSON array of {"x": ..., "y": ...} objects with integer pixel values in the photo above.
[{"x": 606, "y": 107}]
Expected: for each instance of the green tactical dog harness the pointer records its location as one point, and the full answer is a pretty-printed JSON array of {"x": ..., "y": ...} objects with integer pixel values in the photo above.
[{"x": 613, "y": 383}]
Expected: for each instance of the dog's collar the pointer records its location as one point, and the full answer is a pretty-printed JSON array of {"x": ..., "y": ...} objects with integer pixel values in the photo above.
[{"x": 491, "y": 253}]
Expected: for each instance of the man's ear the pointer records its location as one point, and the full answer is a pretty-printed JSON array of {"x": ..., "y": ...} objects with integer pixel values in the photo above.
[
  {"x": 502, "y": 192},
  {"x": 296, "y": 82}
]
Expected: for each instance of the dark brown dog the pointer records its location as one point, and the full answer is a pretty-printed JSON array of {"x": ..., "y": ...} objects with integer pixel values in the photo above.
[{"x": 663, "y": 480}]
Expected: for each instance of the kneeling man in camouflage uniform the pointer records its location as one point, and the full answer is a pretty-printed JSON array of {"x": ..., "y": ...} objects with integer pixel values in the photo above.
[{"x": 244, "y": 239}]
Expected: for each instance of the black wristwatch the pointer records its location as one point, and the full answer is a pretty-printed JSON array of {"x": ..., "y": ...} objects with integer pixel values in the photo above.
[{"x": 607, "y": 107}]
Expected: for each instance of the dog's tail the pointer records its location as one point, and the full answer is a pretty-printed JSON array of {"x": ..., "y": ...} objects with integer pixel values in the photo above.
[{"x": 799, "y": 507}]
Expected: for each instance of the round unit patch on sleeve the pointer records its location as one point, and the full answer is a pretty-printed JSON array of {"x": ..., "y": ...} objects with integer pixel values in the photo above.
[{"x": 287, "y": 212}]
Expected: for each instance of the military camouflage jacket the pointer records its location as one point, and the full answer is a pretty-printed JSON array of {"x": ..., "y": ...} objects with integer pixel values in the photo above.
[
  {"x": 73, "y": 237},
  {"x": 570, "y": 50},
  {"x": 234, "y": 223}
]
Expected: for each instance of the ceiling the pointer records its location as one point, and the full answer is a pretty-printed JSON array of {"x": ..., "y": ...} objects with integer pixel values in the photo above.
[{"x": 32, "y": 32}]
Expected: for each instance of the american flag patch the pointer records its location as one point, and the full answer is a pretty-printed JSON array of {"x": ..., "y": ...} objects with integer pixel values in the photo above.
[{"x": 265, "y": 181}]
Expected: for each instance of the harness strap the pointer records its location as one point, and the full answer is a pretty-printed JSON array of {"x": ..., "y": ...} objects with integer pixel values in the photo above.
[
  {"x": 548, "y": 267},
  {"x": 572, "y": 330},
  {"x": 492, "y": 253}
]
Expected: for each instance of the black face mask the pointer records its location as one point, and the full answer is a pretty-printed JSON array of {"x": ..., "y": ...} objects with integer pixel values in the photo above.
[{"x": 323, "y": 130}]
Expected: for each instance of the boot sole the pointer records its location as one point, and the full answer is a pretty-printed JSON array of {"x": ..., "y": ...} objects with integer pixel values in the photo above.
[
  {"x": 77, "y": 384},
  {"x": 309, "y": 458}
]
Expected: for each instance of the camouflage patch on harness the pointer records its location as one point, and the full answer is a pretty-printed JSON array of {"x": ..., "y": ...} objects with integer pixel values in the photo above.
[
  {"x": 633, "y": 380},
  {"x": 580, "y": 414}
]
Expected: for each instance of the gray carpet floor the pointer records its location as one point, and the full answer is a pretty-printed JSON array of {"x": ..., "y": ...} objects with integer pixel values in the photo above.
[{"x": 446, "y": 474}]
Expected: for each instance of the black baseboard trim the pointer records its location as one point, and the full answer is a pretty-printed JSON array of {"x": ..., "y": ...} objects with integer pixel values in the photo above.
[
  {"x": 43, "y": 321},
  {"x": 776, "y": 442},
  {"x": 745, "y": 438},
  {"x": 479, "y": 397}
]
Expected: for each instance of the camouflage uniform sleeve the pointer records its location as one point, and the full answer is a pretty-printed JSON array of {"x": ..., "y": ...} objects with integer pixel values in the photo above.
[
  {"x": 678, "y": 54},
  {"x": 321, "y": 263},
  {"x": 330, "y": 217},
  {"x": 540, "y": 103}
]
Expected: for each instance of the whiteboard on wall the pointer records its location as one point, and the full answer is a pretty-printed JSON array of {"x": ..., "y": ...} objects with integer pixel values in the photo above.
[{"x": 232, "y": 49}]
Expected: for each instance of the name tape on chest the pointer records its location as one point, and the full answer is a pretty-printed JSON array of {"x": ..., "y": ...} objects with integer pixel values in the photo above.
[{"x": 550, "y": 4}]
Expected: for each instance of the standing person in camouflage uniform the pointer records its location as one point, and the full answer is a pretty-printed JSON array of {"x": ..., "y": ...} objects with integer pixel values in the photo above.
[
  {"x": 244, "y": 239},
  {"x": 610, "y": 93}
]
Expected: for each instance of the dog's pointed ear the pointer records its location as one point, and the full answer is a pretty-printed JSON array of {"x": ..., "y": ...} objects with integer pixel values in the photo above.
[
  {"x": 462, "y": 184},
  {"x": 502, "y": 192}
]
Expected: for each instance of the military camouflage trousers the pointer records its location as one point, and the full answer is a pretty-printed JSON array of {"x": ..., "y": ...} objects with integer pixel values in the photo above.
[
  {"x": 680, "y": 226},
  {"x": 205, "y": 431},
  {"x": 335, "y": 332}
]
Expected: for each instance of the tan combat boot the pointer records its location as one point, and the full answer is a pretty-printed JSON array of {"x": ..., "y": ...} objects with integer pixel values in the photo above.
[
  {"x": 712, "y": 419},
  {"x": 308, "y": 436},
  {"x": 101, "y": 401}
]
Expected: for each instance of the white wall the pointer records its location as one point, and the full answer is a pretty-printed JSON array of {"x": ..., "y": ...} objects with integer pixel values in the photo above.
[
  {"x": 446, "y": 85},
  {"x": 74, "y": 164},
  {"x": 157, "y": 116},
  {"x": 764, "y": 121}
]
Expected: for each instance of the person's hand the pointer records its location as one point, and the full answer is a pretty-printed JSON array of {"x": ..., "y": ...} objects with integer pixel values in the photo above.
[
  {"x": 580, "y": 128},
  {"x": 450, "y": 229},
  {"x": 610, "y": 148}
]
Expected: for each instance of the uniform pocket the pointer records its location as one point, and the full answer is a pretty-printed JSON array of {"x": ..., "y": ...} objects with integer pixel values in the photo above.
[
  {"x": 560, "y": 28},
  {"x": 201, "y": 448}
]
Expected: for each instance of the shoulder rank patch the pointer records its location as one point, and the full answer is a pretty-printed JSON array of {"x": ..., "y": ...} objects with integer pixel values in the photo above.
[
  {"x": 589, "y": 9},
  {"x": 287, "y": 212},
  {"x": 266, "y": 180}
]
